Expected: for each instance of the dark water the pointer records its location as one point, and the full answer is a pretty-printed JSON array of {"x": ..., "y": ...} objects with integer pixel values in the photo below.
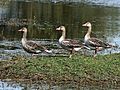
[{"x": 41, "y": 19}]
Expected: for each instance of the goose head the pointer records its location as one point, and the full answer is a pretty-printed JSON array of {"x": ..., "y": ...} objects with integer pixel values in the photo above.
[
  {"x": 88, "y": 24},
  {"x": 61, "y": 28},
  {"x": 24, "y": 29}
]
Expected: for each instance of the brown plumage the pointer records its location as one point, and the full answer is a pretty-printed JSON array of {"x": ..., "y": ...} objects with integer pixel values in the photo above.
[
  {"x": 94, "y": 43},
  {"x": 68, "y": 44},
  {"x": 31, "y": 46}
]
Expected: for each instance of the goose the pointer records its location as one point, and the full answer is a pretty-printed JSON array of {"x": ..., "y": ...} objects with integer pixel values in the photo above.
[
  {"x": 68, "y": 44},
  {"x": 94, "y": 43},
  {"x": 31, "y": 46}
]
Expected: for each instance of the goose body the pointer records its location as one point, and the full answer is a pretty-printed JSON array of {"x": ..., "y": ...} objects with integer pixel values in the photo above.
[
  {"x": 68, "y": 44},
  {"x": 71, "y": 45},
  {"x": 94, "y": 43},
  {"x": 31, "y": 46}
]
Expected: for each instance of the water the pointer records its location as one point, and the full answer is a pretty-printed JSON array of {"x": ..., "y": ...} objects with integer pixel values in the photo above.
[
  {"x": 42, "y": 19},
  {"x": 27, "y": 85},
  {"x": 112, "y": 3},
  {"x": 10, "y": 86}
]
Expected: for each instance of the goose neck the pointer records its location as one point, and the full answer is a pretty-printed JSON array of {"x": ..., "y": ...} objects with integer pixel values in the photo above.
[
  {"x": 24, "y": 34},
  {"x": 87, "y": 36},
  {"x": 63, "y": 36}
]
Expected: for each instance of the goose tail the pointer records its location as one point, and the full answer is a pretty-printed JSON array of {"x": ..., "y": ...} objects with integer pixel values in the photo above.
[
  {"x": 112, "y": 46},
  {"x": 48, "y": 51}
]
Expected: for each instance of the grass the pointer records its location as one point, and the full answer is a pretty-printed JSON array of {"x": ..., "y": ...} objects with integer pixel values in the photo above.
[{"x": 79, "y": 68}]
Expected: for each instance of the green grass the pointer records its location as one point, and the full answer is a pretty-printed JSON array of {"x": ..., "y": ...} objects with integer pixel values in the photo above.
[{"x": 101, "y": 68}]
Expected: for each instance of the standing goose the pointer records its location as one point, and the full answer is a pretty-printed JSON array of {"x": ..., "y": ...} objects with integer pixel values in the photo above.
[
  {"x": 68, "y": 44},
  {"x": 94, "y": 43},
  {"x": 31, "y": 46}
]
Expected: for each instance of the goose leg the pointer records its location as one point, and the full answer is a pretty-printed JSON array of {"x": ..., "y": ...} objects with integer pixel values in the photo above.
[
  {"x": 70, "y": 55},
  {"x": 95, "y": 54},
  {"x": 96, "y": 50},
  {"x": 71, "y": 52}
]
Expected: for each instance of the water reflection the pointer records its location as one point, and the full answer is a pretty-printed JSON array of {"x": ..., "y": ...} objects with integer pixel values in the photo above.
[{"x": 42, "y": 18}]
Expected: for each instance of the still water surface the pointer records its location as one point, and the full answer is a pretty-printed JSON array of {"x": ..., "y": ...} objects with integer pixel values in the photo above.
[{"x": 42, "y": 19}]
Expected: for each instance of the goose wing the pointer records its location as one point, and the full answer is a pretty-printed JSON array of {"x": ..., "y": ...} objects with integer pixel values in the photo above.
[
  {"x": 33, "y": 45},
  {"x": 97, "y": 43},
  {"x": 30, "y": 47},
  {"x": 71, "y": 43}
]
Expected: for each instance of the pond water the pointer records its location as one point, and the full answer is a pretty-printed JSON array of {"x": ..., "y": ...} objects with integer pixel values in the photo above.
[
  {"x": 42, "y": 18},
  {"x": 25, "y": 85}
]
